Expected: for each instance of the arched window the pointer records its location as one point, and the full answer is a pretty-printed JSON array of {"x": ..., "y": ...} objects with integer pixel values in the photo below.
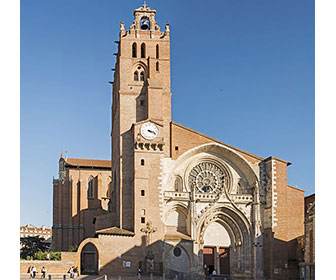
[
  {"x": 157, "y": 66},
  {"x": 136, "y": 76},
  {"x": 142, "y": 162},
  {"x": 142, "y": 76},
  {"x": 90, "y": 188},
  {"x": 143, "y": 50},
  {"x": 157, "y": 51},
  {"x": 134, "y": 50},
  {"x": 178, "y": 184}
]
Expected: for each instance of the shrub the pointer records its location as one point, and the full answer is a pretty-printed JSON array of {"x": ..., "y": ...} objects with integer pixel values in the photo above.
[{"x": 42, "y": 256}]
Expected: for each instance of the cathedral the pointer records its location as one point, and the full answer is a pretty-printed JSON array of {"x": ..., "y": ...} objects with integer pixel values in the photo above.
[{"x": 172, "y": 202}]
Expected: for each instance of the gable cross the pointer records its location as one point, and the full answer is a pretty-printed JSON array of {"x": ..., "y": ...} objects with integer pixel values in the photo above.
[{"x": 148, "y": 230}]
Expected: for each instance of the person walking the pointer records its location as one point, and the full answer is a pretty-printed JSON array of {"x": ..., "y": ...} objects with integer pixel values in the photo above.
[
  {"x": 71, "y": 272},
  {"x": 139, "y": 273},
  {"x": 34, "y": 271},
  {"x": 76, "y": 271},
  {"x": 30, "y": 271},
  {"x": 43, "y": 271}
]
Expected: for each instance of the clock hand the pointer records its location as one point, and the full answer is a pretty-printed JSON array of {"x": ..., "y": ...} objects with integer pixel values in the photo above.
[{"x": 151, "y": 131}]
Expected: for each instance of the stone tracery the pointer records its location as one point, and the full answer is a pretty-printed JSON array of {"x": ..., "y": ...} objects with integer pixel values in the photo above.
[{"x": 207, "y": 177}]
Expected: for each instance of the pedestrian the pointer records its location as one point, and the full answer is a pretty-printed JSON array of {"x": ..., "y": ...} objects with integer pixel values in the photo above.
[
  {"x": 214, "y": 272},
  {"x": 31, "y": 272},
  {"x": 76, "y": 271},
  {"x": 43, "y": 271},
  {"x": 34, "y": 271},
  {"x": 71, "y": 272},
  {"x": 139, "y": 273}
]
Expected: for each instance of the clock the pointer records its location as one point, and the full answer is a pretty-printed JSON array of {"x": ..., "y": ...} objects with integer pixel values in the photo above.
[{"x": 149, "y": 131}]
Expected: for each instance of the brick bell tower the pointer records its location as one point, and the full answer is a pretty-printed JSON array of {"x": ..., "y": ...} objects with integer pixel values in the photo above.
[{"x": 141, "y": 116}]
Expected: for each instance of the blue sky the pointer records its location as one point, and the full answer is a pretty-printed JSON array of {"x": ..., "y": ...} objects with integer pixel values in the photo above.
[{"x": 242, "y": 72}]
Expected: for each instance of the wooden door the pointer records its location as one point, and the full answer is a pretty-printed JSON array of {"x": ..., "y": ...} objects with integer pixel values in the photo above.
[
  {"x": 208, "y": 260},
  {"x": 224, "y": 261}
]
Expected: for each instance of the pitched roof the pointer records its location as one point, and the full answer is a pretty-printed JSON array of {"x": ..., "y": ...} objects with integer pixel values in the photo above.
[
  {"x": 115, "y": 231},
  {"x": 102, "y": 163},
  {"x": 215, "y": 140}
]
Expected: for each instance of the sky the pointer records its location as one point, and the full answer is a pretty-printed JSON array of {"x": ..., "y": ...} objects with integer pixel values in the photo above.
[{"x": 242, "y": 72}]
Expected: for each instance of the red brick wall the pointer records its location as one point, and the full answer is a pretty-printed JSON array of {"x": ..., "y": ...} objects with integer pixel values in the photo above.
[
  {"x": 186, "y": 139},
  {"x": 51, "y": 266}
]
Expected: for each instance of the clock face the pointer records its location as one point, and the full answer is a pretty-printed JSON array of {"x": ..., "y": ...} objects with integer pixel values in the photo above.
[{"x": 149, "y": 131}]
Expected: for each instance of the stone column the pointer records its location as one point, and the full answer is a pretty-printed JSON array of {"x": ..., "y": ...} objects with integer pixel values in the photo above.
[{"x": 216, "y": 261}]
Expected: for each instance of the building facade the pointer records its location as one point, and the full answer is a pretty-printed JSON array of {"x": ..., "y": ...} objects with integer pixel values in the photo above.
[
  {"x": 307, "y": 268},
  {"x": 79, "y": 195},
  {"x": 30, "y": 230},
  {"x": 180, "y": 203}
]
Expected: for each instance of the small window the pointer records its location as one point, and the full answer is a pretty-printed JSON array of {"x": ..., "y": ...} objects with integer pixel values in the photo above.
[
  {"x": 134, "y": 50},
  {"x": 143, "y": 220},
  {"x": 176, "y": 148},
  {"x": 178, "y": 184},
  {"x": 157, "y": 66},
  {"x": 142, "y": 76},
  {"x": 142, "y": 162},
  {"x": 157, "y": 51},
  {"x": 177, "y": 252},
  {"x": 136, "y": 76},
  {"x": 143, "y": 50},
  {"x": 142, "y": 102},
  {"x": 143, "y": 212},
  {"x": 142, "y": 192}
]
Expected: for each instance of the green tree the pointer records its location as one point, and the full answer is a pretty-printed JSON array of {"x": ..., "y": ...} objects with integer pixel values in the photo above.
[{"x": 32, "y": 245}]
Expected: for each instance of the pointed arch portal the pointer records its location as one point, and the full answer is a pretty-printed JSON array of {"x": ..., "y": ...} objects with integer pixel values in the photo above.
[
  {"x": 233, "y": 252},
  {"x": 89, "y": 259}
]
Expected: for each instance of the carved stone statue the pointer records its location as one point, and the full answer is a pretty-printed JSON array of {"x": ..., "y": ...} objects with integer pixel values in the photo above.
[
  {"x": 132, "y": 27},
  {"x": 122, "y": 25},
  {"x": 167, "y": 27}
]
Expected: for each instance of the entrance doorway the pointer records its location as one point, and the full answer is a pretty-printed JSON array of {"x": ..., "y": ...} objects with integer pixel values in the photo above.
[
  {"x": 209, "y": 260},
  {"x": 224, "y": 261},
  {"x": 89, "y": 259}
]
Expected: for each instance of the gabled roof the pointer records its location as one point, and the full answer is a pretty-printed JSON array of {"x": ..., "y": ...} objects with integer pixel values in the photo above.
[
  {"x": 227, "y": 145},
  {"x": 96, "y": 163},
  {"x": 217, "y": 141}
]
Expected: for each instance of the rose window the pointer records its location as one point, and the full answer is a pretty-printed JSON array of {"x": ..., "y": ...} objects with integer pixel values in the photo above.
[{"x": 207, "y": 177}]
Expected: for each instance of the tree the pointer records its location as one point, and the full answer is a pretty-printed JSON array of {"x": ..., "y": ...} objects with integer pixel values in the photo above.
[{"x": 32, "y": 245}]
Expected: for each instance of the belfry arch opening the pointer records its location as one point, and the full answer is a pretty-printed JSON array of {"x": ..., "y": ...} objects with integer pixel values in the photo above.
[
  {"x": 89, "y": 259},
  {"x": 144, "y": 23}
]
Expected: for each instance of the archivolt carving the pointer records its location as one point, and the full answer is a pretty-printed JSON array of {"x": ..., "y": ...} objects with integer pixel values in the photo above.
[{"x": 232, "y": 222}]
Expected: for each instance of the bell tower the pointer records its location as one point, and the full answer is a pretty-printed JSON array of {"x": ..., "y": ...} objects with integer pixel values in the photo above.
[{"x": 141, "y": 94}]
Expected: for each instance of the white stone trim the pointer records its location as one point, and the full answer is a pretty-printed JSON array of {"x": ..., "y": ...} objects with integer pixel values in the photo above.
[
  {"x": 161, "y": 196},
  {"x": 274, "y": 194}
]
